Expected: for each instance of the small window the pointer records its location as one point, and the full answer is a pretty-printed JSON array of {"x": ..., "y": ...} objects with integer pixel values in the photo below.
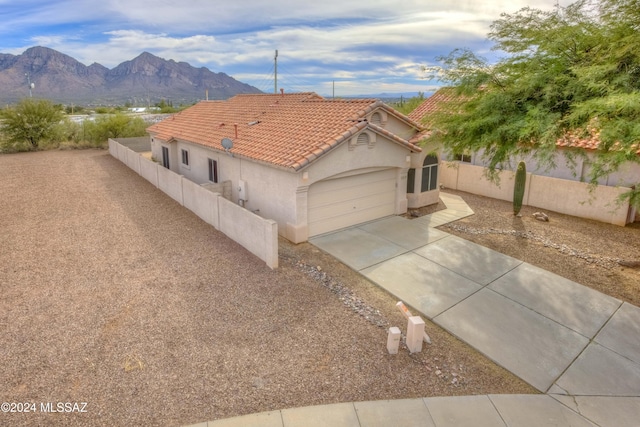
[
  {"x": 464, "y": 157},
  {"x": 185, "y": 157},
  {"x": 429, "y": 174},
  {"x": 213, "y": 170},
  {"x": 411, "y": 178}
]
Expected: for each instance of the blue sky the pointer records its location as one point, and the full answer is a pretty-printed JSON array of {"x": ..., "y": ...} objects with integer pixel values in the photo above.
[{"x": 366, "y": 47}]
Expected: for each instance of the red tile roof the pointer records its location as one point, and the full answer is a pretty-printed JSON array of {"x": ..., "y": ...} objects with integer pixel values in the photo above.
[
  {"x": 285, "y": 130},
  {"x": 433, "y": 104}
]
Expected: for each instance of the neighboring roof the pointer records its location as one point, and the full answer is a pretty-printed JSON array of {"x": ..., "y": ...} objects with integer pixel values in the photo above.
[
  {"x": 285, "y": 130},
  {"x": 591, "y": 142},
  {"x": 446, "y": 95},
  {"x": 431, "y": 104}
]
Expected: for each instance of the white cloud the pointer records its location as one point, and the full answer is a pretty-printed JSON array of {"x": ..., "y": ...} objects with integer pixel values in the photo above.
[{"x": 379, "y": 43}]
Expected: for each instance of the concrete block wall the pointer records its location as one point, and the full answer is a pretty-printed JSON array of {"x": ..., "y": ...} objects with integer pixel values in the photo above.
[
  {"x": 574, "y": 198},
  {"x": 133, "y": 160},
  {"x": 149, "y": 170},
  {"x": 201, "y": 202},
  {"x": 554, "y": 194},
  {"x": 223, "y": 188},
  {"x": 258, "y": 235},
  {"x": 170, "y": 183}
]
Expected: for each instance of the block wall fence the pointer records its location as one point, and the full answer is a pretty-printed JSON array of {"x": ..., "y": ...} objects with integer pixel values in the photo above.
[
  {"x": 554, "y": 194},
  {"x": 256, "y": 234}
]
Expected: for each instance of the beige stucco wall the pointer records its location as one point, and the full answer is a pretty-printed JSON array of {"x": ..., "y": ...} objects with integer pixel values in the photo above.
[
  {"x": 350, "y": 157},
  {"x": 419, "y": 199},
  {"x": 281, "y": 195},
  {"x": 627, "y": 175},
  {"x": 554, "y": 194}
]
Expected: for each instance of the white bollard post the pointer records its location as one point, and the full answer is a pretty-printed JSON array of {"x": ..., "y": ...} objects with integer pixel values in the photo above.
[
  {"x": 404, "y": 310},
  {"x": 393, "y": 340},
  {"x": 415, "y": 331}
]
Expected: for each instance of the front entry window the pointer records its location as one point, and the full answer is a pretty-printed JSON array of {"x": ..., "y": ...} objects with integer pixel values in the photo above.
[
  {"x": 429, "y": 174},
  {"x": 165, "y": 157}
]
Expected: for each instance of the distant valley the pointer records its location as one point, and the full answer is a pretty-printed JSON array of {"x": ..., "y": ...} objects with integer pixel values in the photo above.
[{"x": 144, "y": 80}]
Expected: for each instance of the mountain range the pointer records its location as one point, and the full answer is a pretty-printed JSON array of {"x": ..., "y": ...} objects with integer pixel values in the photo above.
[{"x": 142, "y": 81}]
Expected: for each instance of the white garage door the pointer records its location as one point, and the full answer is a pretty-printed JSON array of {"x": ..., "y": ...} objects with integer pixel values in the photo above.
[{"x": 341, "y": 202}]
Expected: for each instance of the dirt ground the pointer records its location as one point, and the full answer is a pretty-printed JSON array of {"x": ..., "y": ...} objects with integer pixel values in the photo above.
[
  {"x": 113, "y": 295},
  {"x": 602, "y": 256}
]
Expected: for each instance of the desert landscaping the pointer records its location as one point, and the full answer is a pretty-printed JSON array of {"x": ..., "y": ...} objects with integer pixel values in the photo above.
[{"x": 115, "y": 295}]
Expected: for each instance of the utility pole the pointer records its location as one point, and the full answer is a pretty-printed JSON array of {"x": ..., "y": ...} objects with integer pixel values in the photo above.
[
  {"x": 275, "y": 82},
  {"x": 30, "y": 85}
]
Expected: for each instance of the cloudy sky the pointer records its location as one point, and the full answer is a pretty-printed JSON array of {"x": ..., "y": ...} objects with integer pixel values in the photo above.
[{"x": 364, "y": 46}]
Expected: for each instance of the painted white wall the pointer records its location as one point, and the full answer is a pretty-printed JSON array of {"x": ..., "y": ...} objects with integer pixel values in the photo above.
[
  {"x": 346, "y": 157},
  {"x": 281, "y": 195}
]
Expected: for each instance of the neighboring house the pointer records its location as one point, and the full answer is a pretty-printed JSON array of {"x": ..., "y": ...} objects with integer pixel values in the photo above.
[
  {"x": 313, "y": 165},
  {"x": 570, "y": 198}
]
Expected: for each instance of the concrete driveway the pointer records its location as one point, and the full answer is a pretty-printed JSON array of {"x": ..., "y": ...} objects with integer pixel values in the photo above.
[{"x": 561, "y": 337}]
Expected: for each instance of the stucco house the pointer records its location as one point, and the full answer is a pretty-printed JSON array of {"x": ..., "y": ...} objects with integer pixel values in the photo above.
[
  {"x": 563, "y": 186},
  {"x": 312, "y": 164}
]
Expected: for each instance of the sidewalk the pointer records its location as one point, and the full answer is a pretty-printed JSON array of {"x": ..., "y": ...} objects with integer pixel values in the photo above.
[
  {"x": 579, "y": 346},
  {"x": 466, "y": 411}
]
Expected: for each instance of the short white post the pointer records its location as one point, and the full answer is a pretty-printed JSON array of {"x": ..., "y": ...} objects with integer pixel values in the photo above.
[
  {"x": 415, "y": 331},
  {"x": 393, "y": 340},
  {"x": 404, "y": 310}
]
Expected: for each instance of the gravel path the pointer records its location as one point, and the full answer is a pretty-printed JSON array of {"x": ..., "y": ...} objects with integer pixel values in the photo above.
[{"x": 114, "y": 295}]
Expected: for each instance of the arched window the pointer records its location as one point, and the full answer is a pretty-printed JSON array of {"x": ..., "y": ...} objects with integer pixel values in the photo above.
[
  {"x": 376, "y": 119},
  {"x": 429, "y": 173}
]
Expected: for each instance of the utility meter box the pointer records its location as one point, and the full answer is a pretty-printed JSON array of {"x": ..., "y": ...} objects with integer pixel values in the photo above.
[{"x": 242, "y": 190}]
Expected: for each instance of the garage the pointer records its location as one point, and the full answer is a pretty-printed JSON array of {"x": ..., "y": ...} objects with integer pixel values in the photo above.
[{"x": 348, "y": 200}]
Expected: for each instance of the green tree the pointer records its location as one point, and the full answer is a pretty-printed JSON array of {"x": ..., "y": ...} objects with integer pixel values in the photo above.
[
  {"x": 405, "y": 107},
  {"x": 117, "y": 125},
  {"x": 572, "y": 71},
  {"x": 30, "y": 122}
]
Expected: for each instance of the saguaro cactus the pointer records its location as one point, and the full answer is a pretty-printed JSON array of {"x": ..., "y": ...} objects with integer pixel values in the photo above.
[{"x": 518, "y": 187}]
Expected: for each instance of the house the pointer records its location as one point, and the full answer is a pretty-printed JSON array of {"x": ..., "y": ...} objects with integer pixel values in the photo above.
[
  {"x": 313, "y": 165},
  {"x": 560, "y": 189}
]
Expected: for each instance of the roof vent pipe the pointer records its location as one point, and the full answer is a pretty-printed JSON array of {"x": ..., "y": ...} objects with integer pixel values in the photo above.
[
  {"x": 236, "y": 126},
  {"x": 282, "y": 91}
]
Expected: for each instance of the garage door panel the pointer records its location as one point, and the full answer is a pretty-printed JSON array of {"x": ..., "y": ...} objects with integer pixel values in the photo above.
[
  {"x": 353, "y": 192},
  {"x": 336, "y": 223},
  {"x": 351, "y": 205},
  {"x": 342, "y": 202}
]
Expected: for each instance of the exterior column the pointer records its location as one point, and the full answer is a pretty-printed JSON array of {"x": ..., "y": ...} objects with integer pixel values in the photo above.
[{"x": 298, "y": 232}]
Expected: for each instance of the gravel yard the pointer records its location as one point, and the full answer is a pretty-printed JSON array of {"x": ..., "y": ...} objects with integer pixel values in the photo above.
[
  {"x": 114, "y": 295},
  {"x": 602, "y": 256}
]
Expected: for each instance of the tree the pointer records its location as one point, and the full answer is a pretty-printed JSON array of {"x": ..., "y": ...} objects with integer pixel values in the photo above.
[
  {"x": 31, "y": 121},
  {"x": 405, "y": 107},
  {"x": 569, "y": 72},
  {"x": 117, "y": 125}
]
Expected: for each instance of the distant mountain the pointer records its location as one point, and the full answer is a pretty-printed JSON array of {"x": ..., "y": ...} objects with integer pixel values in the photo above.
[{"x": 144, "y": 80}]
